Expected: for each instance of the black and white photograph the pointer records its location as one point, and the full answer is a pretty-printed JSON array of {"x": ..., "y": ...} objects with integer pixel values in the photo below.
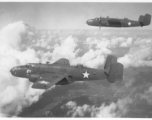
[{"x": 75, "y": 59}]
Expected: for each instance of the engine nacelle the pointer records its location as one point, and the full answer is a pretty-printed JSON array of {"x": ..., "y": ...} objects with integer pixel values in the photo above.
[{"x": 33, "y": 77}]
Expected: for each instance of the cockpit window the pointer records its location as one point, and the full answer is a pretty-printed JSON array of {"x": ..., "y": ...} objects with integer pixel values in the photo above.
[
  {"x": 30, "y": 65},
  {"x": 79, "y": 66},
  {"x": 16, "y": 68},
  {"x": 96, "y": 18}
]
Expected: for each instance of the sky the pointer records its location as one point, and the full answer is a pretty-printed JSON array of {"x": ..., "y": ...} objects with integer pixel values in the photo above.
[{"x": 66, "y": 15}]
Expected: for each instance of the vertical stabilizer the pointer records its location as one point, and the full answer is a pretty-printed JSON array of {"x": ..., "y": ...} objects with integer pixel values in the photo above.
[
  {"x": 113, "y": 69},
  {"x": 147, "y": 19}
]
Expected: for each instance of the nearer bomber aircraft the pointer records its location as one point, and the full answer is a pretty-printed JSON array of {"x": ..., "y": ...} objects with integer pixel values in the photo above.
[
  {"x": 116, "y": 22},
  {"x": 61, "y": 72}
]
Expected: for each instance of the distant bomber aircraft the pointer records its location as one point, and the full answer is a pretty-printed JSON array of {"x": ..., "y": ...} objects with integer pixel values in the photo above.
[
  {"x": 116, "y": 22},
  {"x": 62, "y": 73}
]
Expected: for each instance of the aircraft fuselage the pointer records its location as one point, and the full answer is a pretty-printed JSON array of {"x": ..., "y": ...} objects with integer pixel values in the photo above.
[
  {"x": 113, "y": 22},
  {"x": 78, "y": 73},
  {"x": 62, "y": 73}
]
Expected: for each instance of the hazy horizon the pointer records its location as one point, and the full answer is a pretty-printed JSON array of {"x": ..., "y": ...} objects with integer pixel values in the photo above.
[{"x": 68, "y": 15}]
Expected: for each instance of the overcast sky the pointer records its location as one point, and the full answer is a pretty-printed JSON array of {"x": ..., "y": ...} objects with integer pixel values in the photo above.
[{"x": 50, "y": 15}]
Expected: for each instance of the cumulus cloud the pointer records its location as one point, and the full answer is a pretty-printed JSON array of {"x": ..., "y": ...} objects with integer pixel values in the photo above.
[
  {"x": 44, "y": 56},
  {"x": 95, "y": 57},
  {"x": 117, "y": 109},
  {"x": 92, "y": 58},
  {"x": 66, "y": 49},
  {"x": 109, "y": 43},
  {"x": 127, "y": 43},
  {"x": 13, "y": 33},
  {"x": 140, "y": 54},
  {"x": 42, "y": 43},
  {"x": 15, "y": 93},
  {"x": 147, "y": 95}
]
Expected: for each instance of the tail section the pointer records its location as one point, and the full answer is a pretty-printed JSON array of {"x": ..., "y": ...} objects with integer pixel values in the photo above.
[
  {"x": 113, "y": 69},
  {"x": 140, "y": 20},
  {"x": 145, "y": 20}
]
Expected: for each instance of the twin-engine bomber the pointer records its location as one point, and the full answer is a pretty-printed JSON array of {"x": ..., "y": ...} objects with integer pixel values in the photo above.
[
  {"x": 116, "y": 22},
  {"x": 61, "y": 72}
]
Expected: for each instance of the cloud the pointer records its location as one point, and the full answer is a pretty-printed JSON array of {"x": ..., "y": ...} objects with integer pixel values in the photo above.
[
  {"x": 12, "y": 34},
  {"x": 128, "y": 82},
  {"x": 127, "y": 43},
  {"x": 140, "y": 54},
  {"x": 44, "y": 56},
  {"x": 147, "y": 95},
  {"x": 43, "y": 43},
  {"x": 71, "y": 104},
  {"x": 76, "y": 110},
  {"x": 15, "y": 93},
  {"x": 66, "y": 49},
  {"x": 118, "y": 109},
  {"x": 115, "y": 42},
  {"x": 92, "y": 58}
]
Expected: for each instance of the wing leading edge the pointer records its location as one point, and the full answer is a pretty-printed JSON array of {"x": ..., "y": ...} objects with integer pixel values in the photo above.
[{"x": 46, "y": 81}]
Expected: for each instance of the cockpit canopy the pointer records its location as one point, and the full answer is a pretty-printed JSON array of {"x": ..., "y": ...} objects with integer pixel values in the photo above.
[
  {"x": 125, "y": 18},
  {"x": 30, "y": 65},
  {"x": 96, "y": 18},
  {"x": 47, "y": 62},
  {"x": 79, "y": 66}
]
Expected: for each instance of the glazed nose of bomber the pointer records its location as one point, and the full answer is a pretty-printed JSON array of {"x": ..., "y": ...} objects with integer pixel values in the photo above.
[
  {"x": 89, "y": 21},
  {"x": 19, "y": 71},
  {"x": 13, "y": 71}
]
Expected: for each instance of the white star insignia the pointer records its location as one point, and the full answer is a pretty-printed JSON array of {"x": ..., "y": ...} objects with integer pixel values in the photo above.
[
  {"x": 28, "y": 71},
  {"x": 43, "y": 82},
  {"x": 86, "y": 75},
  {"x": 129, "y": 23}
]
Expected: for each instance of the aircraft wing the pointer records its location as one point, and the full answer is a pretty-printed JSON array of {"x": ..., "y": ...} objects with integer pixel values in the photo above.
[
  {"x": 46, "y": 81},
  {"x": 115, "y": 22}
]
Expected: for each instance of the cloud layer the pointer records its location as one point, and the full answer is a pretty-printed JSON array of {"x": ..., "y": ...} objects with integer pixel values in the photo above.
[
  {"x": 117, "y": 109},
  {"x": 15, "y": 93},
  {"x": 20, "y": 44}
]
